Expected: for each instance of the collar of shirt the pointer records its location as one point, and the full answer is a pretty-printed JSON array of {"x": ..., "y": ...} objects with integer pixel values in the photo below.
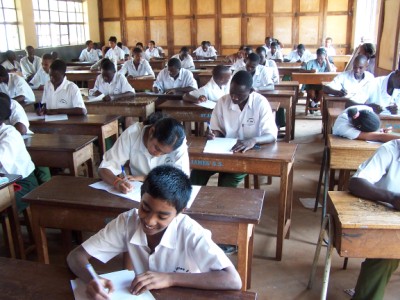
[
  {"x": 179, "y": 75},
  {"x": 63, "y": 85}
]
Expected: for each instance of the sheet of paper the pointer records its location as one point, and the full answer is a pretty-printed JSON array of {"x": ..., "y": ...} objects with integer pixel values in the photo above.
[
  {"x": 60, "y": 117},
  {"x": 95, "y": 98},
  {"x": 152, "y": 93},
  {"x": 133, "y": 195},
  {"x": 32, "y": 116},
  {"x": 195, "y": 191},
  {"x": 121, "y": 280},
  {"x": 220, "y": 146},
  {"x": 207, "y": 104}
]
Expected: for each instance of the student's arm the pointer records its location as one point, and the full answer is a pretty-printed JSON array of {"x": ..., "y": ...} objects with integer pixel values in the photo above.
[
  {"x": 118, "y": 97},
  {"x": 190, "y": 98},
  {"x": 244, "y": 145},
  {"x": 123, "y": 186},
  {"x": 78, "y": 111},
  {"x": 328, "y": 90},
  {"x": 21, "y": 128},
  {"x": 20, "y": 98},
  {"x": 377, "y": 136},
  {"x": 225, "y": 279},
  {"x": 180, "y": 90}
]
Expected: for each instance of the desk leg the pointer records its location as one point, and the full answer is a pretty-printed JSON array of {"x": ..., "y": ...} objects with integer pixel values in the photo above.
[
  {"x": 14, "y": 225},
  {"x": 288, "y": 130},
  {"x": 81, "y": 156},
  {"x": 294, "y": 103},
  {"x": 39, "y": 234},
  {"x": 244, "y": 252}
]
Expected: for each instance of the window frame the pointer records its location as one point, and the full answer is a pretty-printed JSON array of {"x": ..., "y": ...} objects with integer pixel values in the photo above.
[{"x": 5, "y": 23}]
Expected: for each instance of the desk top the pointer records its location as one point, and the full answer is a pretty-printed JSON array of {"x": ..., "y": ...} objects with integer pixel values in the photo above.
[
  {"x": 212, "y": 203},
  {"x": 94, "y": 72},
  {"x": 57, "y": 142},
  {"x": 354, "y": 212},
  {"x": 11, "y": 179},
  {"x": 31, "y": 280},
  {"x": 286, "y": 84},
  {"x": 337, "y": 142},
  {"x": 278, "y": 93},
  {"x": 283, "y": 152},
  {"x": 90, "y": 119},
  {"x": 137, "y": 100}
]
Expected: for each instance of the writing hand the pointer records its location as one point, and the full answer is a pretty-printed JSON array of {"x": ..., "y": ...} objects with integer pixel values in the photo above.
[
  {"x": 170, "y": 92},
  {"x": 376, "y": 107},
  {"x": 96, "y": 93},
  {"x": 107, "y": 98},
  {"x": 95, "y": 291},
  {"x": 149, "y": 281},
  {"x": 202, "y": 98},
  {"x": 243, "y": 145},
  {"x": 393, "y": 109},
  {"x": 210, "y": 134},
  {"x": 124, "y": 186}
]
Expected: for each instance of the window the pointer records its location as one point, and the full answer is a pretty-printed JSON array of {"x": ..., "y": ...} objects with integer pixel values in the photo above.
[
  {"x": 59, "y": 23},
  {"x": 9, "y": 26}
]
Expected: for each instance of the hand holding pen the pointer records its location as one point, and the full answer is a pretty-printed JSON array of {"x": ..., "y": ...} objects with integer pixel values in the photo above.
[
  {"x": 98, "y": 288},
  {"x": 122, "y": 184},
  {"x": 41, "y": 109},
  {"x": 210, "y": 134}
]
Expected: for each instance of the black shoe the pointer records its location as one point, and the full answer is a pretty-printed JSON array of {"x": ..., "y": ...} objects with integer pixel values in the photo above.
[
  {"x": 311, "y": 111},
  {"x": 228, "y": 249}
]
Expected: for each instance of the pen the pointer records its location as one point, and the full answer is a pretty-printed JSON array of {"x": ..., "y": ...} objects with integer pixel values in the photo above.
[
  {"x": 123, "y": 173},
  {"x": 93, "y": 273},
  {"x": 257, "y": 146}
]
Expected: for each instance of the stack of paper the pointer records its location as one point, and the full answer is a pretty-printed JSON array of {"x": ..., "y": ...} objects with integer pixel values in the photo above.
[
  {"x": 220, "y": 146},
  {"x": 60, "y": 117}
]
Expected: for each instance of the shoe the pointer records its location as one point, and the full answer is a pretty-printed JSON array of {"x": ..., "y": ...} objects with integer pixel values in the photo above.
[
  {"x": 311, "y": 111},
  {"x": 228, "y": 249}
]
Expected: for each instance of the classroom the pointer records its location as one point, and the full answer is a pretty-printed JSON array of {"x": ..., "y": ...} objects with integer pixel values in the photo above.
[{"x": 271, "y": 125}]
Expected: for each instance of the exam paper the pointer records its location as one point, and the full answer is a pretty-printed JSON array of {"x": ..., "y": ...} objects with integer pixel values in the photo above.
[
  {"x": 60, "y": 117},
  {"x": 220, "y": 146},
  {"x": 121, "y": 281},
  {"x": 207, "y": 104},
  {"x": 32, "y": 116},
  {"x": 95, "y": 98},
  {"x": 132, "y": 195}
]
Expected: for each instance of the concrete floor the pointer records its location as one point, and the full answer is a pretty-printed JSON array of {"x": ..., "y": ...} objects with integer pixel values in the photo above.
[{"x": 288, "y": 278}]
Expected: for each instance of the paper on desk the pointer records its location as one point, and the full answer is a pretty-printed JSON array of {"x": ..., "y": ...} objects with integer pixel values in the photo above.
[
  {"x": 60, "y": 117},
  {"x": 220, "y": 146},
  {"x": 133, "y": 195},
  {"x": 207, "y": 104},
  {"x": 32, "y": 116},
  {"x": 121, "y": 281},
  {"x": 95, "y": 98}
]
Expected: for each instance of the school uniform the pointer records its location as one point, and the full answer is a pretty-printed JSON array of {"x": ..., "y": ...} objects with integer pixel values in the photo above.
[
  {"x": 348, "y": 82},
  {"x": 10, "y": 67},
  {"x": 148, "y": 54},
  {"x": 143, "y": 69},
  {"x": 330, "y": 51},
  {"x": 275, "y": 72},
  {"x": 209, "y": 53},
  {"x": 239, "y": 64},
  {"x": 276, "y": 55},
  {"x": 17, "y": 86},
  {"x": 89, "y": 56},
  {"x": 314, "y": 65},
  {"x": 187, "y": 62},
  {"x": 30, "y": 68},
  {"x": 18, "y": 115},
  {"x": 344, "y": 127},
  {"x": 262, "y": 78},
  {"x": 256, "y": 119},
  {"x": 294, "y": 56},
  {"x": 40, "y": 78},
  {"x": 15, "y": 159},
  {"x": 130, "y": 146},
  {"x": 115, "y": 55},
  {"x": 67, "y": 95},
  {"x": 118, "y": 85},
  {"x": 126, "y": 50},
  {"x": 185, "y": 247},
  {"x": 165, "y": 82},
  {"x": 382, "y": 170},
  {"x": 211, "y": 90}
]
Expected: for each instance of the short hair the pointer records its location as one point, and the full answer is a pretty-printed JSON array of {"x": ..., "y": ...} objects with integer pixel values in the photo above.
[
  {"x": 219, "y": 69},
  {"x": 112, "y": 39},
  {"x": 174, "y": 62},
  {"x": 169, "y": 132},
  {"x": 321, "y": 51},
  {"x": 254, "y": 57},
  {"x": 59, "y": 65},
  {"x": 29, "y": 47},
  {"x": 3, "y": 72},
  {"x": 204, "y": 43},
  {"x": 154, "y": 117},
  {"x": 119, "y": 44},
  {"x": 88, "y": 42},
  {"x": 170, "y": 184},
  {"x": 184, "y": 49},
  {"x": 274, "y": 44},
  {"x": 360, "y": 58},
  {"x": 261, "y": 49},
  {"x": 5, "y": 107},
  {"x": 107, "y": 65},
  {"x": 369, "y": 48},
  {"x": 47, "y": 56},
  {"x": 9, "y": 53},
  {"x": 301, "y": 47},
  {"x": 364, "y": 120},
  {"x": 139, "y": 44},
  {"x": 328, "y": 39},
  {"x": 153, "y": 42},
  {"x": 243, "y": 78},
  {"x": 248, "y": 49},
  {"x": 137, "y": 50}
]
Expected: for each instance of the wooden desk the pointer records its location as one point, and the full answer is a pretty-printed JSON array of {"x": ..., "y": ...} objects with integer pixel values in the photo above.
[
  {"x": 271, "y": 160},
  {"x": 314, "y": 78},
  {"x": 288, "y": 64},
  {"x": 157, "y": 63},
  {"x": 78, "y": 63},
  {"x": 204, "y": 77},
  {"x": 330, "y": 101},
  {"x": 61, "y": 151},
  {"x": 103, "y": 126},
  {"x": 9, "y": 207},
  {"x": 288, "y": 71},
  {"x": 31, "y": 280},
  {"x": 142, "y": 84},
  {"x": 86, "y": 209},
  {"x": 81, "y": 75}
]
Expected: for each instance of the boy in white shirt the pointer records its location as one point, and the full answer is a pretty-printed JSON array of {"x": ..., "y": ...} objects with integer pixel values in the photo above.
[
  {"x": 115, "y": 53},
  {"x": 217, "y": 87},
  {"x": 167, "y": 248},
  {"x": 268, "y": 63},
  {"x": 328, "y": 47},
  {"x": 205, "y": 51},
  {"x": 299, "y": 55},
  {"x": 15, "y": 87},
  {"x": 174, "y": 79},
  {"x": 89, "y": 54},
  {"x": 137, "y": 66},
  {"x": 274, "y": 53},
  {"x": 60, "y": 95},
  {"x": 242, "y": 114},
  {"x": 112, "y": 85},
  {"x": 42, "y": 75},
  {"x": 185, "y": 58},
  {"x": 125, "y": 49},
  {"x": 151, "y": 51},
  {"x": 11, "y": 64},
  {"x": 30, "y": 63}
]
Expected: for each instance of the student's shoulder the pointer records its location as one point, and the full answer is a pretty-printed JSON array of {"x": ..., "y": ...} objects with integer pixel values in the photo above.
[
  {"x": 187, "y": 226},
  {"x": 134, "y": 129},
  {"x": 71, "y": 86},
  {"x": 8, "y": 132}
]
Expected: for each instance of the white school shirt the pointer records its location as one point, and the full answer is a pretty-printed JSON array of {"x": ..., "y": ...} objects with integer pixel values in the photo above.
[
  {"x": 9, "y": 66},
  {"x": 67, "y": 95},
  {"x": 187, "y": 63},
  {"x": 151, "y": 53},
  {"x": 118, "y": 85},
  {"x": 130, "y": 146},
  {"x": 211, "y": 90},
  {"x": 344, "y": 127},
  {"x": 239, "y": 64},
  {"x": 209, "y": 53},
  {"x": 115, "y": 55},
  {"x": 275, "y": 72},
  {"x": 185, "y": 247},
  {"x": 276, "y": 55},
  {"x": 14, "y": 158},
  {"x": 40, "y": 78},
  {"x": 330, "y": 51},
  {"x": 29, "y": 68},
  {"x": 262, "y": 78},
  {"x": 165, "y": 82},
  {"x": 17, "y": 86},
  {"x": 294, "y": 56},
  {"x": 347, "y": 81},
  {"x": 383, "y": 168},
  {"x": 256, "y": 118},
  {"x": 376, "y": 92},
  {"x": 125, "y": 49},
  {"x": 89, "y": 56},
  {"x": 18, "y": 115},
  {"x": 143, "y": 69}
]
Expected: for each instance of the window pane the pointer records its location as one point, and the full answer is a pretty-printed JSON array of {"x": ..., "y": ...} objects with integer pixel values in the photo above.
[
  {"x": 10, "y": 15},
  {"x": 35, "y": 4},
  {"x": 64, "y": 29},
  {"x": 36, "y": 16},
  {"x": 44, "y": 16},
  {"x": 63, "y": 17},
  {"x": 78, "y": 7},
  {"x": 53, "y": 5},
  {"x": 8, "y": 3},
  {"x": 62, "y": 5},
  {"x": 1, "y": 17},
  {"x": 79, "y": 18},
  {"x": 13, "y": 37},
  {"x": 54, "y": 16},
  {"x": 44, "y": 4},
  {"x": 3, "y": 46},
  {"x": 71, "y": 6},
  {"x": 64, "y": 40},
  {"x": 71, "y": 17}
]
